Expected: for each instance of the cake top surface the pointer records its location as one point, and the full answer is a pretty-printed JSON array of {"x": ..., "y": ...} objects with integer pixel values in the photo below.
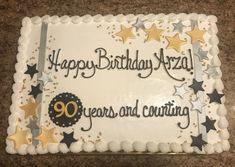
[{"x": 118, "y": 83}]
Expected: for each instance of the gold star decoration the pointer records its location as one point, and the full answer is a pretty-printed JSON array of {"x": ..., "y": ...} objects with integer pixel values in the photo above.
[
  {"x": 46, "y": 136},
  {"x": 19, "y": 137},
  {"x": 175, "y": 42},
  {"x": 153, "y": 33},
  {"x": 29, "y": 108},
  {"x": 125, "y": 33},
  {"x": 196, "y": 34}
]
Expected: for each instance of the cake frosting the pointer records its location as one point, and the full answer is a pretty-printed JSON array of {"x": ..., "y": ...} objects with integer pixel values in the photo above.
[{"x": 123, "y": 84}]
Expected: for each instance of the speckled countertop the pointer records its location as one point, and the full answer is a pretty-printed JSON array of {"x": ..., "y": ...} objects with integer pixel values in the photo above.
[{"x": 11, "y": 14}]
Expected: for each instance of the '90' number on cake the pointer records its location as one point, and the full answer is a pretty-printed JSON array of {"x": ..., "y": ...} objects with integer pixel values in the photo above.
[{"x": 65, "y": 109}]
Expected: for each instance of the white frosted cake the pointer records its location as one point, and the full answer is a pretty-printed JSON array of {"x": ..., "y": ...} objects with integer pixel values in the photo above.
[{"x": 118, "y": 84}]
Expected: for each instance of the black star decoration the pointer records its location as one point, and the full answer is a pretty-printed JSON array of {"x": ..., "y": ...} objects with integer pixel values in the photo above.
[
  {"x": 35, "y": 90},
  {"x": 31, "y": 70},
  {"x": 196, "y": 86},
  {"x": 215, "y": 96},
  {"x": 68, "y": 139},
  {"x": 209, "y": 124},
  {"x": 198, "y": 141}
]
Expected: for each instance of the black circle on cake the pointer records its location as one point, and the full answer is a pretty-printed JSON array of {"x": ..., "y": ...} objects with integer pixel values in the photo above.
[{"x": 65, "y": 109}]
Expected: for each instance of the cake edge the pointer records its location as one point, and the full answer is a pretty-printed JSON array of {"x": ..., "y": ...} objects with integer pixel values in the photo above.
[{"x": 112, "y": 146}]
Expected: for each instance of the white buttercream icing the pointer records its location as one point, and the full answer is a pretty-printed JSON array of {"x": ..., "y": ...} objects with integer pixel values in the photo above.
[
  {"x": 114, "y": 146},
  {"x": 127, "y": 146},
  {"x": 88, "y": 147}
]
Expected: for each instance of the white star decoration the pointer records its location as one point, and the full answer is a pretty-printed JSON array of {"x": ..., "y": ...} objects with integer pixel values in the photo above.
[
  {"x": 197, "y": 105},
  {"x": 211, "y": 71},
  {"x": 45, "y": 78},
  {"x": 180, "y": 90},
  {"x": 139, "y": 24}
]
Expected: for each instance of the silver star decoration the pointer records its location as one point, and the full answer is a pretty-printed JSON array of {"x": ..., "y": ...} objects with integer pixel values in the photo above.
[
  {"x": 180, "y": 90},
  {"x": 178, "y": 26},
  {"x": 139, "y": 24},
  {"x": 202, "y": 54},
  {"x": 34, "y": 130},
  {"x": 45, "y": 78},
  {"x": 197, "y": 105},
  {"x": 211, "y": 71},
  {"x": 197, "y": 50},
  {"x": 194, "y": 23}
]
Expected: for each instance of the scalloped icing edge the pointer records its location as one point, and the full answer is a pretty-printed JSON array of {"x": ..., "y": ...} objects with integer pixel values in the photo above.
[{"x": 113, "y": 146}]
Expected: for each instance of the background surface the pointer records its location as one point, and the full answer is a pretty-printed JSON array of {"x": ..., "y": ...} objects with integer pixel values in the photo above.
[{"x": 11, "y": 14}]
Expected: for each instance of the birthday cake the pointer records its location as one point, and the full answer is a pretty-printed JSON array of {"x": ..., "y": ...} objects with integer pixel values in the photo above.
[{"x": 118, "y": 84}]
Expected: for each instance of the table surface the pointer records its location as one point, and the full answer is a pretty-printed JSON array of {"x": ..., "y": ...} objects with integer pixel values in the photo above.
[{"x": 11, "y": 14}]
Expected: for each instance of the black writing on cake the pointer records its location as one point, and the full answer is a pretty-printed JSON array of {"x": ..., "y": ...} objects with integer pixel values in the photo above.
[{"x": 124, "y": 62}]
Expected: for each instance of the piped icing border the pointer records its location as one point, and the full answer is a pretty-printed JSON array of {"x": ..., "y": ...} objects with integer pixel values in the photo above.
[{"x": 113, "y": 146}]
